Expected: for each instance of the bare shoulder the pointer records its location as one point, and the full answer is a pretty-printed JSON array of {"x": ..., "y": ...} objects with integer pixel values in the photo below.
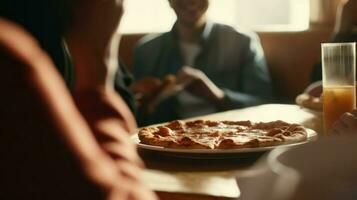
[{"x": 17, "y": 43}]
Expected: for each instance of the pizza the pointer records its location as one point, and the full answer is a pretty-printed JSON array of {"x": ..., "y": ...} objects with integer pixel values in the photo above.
[
  {"x": 166, "y": 89},
  {"x": 206, "y": 134}
]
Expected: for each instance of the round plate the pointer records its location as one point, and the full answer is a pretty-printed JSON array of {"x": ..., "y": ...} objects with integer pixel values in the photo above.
[{"x": 311, "y": 136}]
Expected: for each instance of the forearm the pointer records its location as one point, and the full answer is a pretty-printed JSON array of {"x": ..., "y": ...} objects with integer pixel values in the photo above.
[
  {"x": 110, "y": 127},
  {"x": 106, "y": 113},
  {"x": 234, "y": 99},
  {"x": 254, "y": 88},
  {"x": 103, "y": 104},
  {"x": 254, "y": 85},
  {"x": 95, "y": 61},
  {"x": 89, "y": 64},
  {"x": 110, "y": 120}
]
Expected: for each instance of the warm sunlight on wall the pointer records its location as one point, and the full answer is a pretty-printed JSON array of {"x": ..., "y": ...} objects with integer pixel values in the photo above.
[{"x": 271, "y": 15}]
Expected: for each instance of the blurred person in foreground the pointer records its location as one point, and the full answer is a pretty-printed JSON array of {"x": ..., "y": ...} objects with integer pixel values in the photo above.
[
  {"x": 54, "y": 144},
  {"x": 219, "y": 67}
]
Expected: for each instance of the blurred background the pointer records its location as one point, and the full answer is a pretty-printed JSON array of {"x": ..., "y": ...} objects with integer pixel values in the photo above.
[
  {"x": 269, "y": 14},
  {"x": 290, "y": 31}
]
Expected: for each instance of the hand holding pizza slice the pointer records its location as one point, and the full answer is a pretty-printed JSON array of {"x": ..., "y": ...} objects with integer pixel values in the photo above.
[{"x": 150, "y": 91}]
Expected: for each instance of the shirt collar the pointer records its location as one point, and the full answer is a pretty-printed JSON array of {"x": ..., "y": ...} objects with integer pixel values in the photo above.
[{"x": 206, "y": 33}]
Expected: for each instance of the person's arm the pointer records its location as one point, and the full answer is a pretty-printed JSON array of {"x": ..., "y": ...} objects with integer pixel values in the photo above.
[
  {"x": 256, "y": 86},
  {"x": 138, "y": 69},
  {"x": 93, "y": 46},
  {"x": 146, "y": 87}
]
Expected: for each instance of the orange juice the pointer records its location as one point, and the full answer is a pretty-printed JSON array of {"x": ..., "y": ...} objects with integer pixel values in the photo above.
[{"x": 336, "y": 101}]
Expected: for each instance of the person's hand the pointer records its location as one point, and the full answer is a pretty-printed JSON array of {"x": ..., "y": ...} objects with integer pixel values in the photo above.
[
  {"x": 347, "y": 124},
  {"x": 146, "y": 87},
  {"x": 314, "y": 89},
  {"x": 150, "y": 91},
  {"x": 91, "y": 42},
  {"x": 346, "y": 16},
  {"x": 145, "y": 91},
  {"x": 198, "y": 84}
]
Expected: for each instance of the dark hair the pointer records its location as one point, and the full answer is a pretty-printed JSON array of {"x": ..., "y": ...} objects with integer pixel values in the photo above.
[
  {"x": 39, "y": 17},
  {"x": 46, "y": 20}
]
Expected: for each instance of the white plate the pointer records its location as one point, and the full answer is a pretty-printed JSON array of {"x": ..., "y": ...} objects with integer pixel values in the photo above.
[{"x": 312, "y": 135}]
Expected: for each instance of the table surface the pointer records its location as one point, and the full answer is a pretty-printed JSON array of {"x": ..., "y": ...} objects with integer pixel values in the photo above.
[{"x": 236, "y": 166}]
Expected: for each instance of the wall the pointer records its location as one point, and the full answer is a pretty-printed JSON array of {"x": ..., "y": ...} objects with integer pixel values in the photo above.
[{"x": 291, "y": 57}]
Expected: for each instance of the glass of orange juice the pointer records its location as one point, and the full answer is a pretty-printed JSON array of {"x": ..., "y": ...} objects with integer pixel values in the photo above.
[{"x": 338, "y": 80}]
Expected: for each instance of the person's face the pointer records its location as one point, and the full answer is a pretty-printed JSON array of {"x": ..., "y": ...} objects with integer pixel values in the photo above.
[{"x": 189, "y": 11}]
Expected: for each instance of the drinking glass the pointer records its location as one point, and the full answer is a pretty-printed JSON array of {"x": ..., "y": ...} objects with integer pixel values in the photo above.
[{"x": 338, "y": 80}]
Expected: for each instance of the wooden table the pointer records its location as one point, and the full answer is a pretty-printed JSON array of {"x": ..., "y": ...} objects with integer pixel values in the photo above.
[{"x": 240, "y": 166}]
